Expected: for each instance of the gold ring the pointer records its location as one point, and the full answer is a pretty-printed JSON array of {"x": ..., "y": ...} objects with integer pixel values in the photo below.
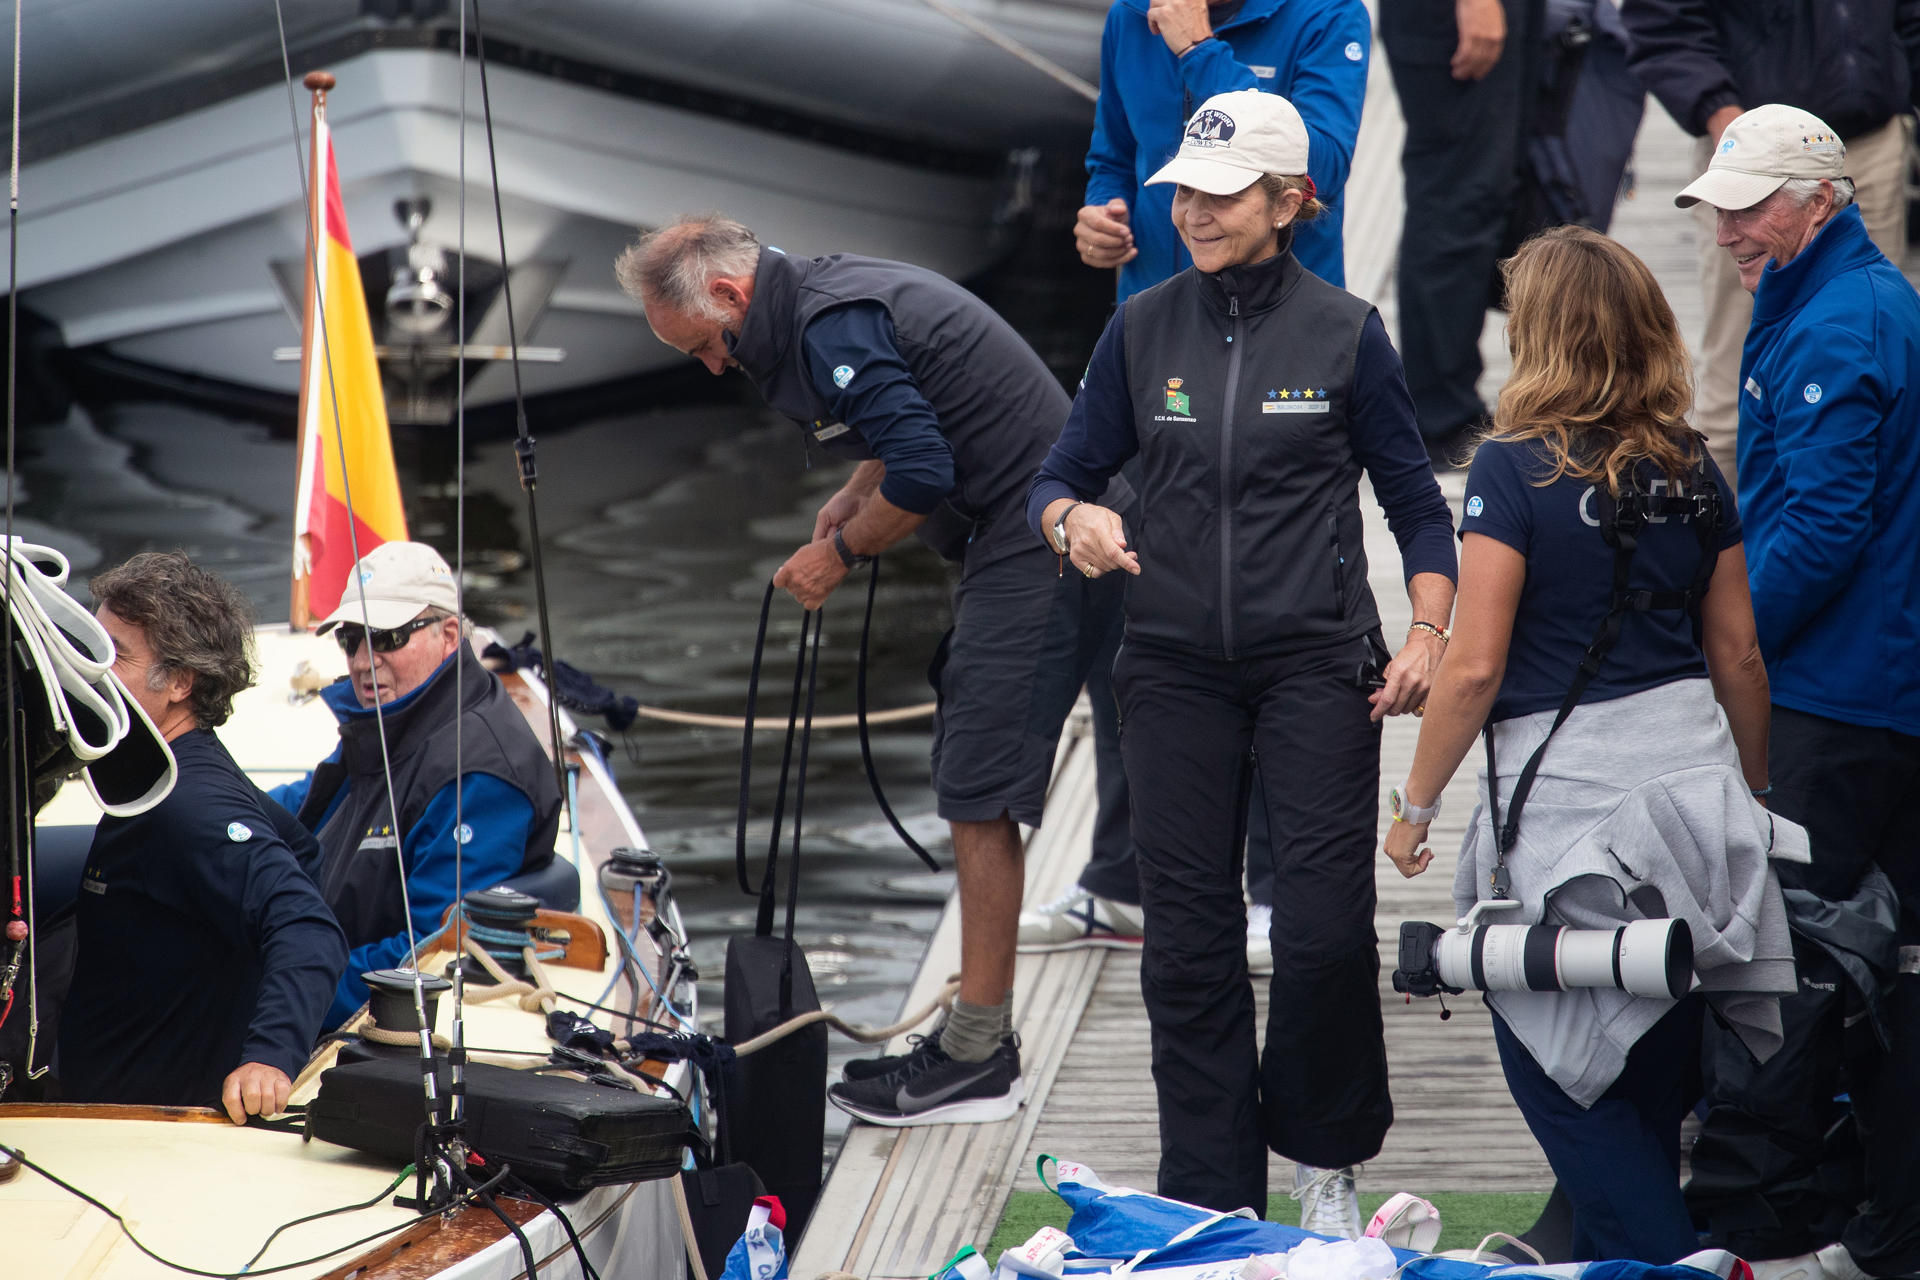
[{"x": 1087, "y": 569}]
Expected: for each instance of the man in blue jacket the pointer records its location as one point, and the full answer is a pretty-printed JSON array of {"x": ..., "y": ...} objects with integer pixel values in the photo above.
[
  {"x": 1829, "y": 462},
  {"x": 1159, "y": 60},
  {"x": 403, "y": 684},
  {"x": 1851, "y": 64}
]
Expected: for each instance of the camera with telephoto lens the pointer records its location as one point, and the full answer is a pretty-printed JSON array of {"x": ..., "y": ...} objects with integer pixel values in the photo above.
[{"x": 1645, "y": 958}]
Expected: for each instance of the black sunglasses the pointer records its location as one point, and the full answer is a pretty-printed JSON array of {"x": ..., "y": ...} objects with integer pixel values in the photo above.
[{"x": 348, "y": 634}]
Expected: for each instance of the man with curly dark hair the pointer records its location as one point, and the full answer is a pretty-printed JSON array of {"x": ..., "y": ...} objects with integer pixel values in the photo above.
[{"x": 206, "y": 953}]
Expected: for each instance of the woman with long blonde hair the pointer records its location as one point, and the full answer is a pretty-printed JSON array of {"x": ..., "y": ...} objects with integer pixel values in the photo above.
[{"x": 1604, "y": 642}]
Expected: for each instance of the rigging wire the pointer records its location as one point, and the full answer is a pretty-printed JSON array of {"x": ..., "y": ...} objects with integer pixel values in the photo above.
[
  {"x": 457, "y": 1054},
  {"x": 314, "y": 231},
  {"x": 17, "y": 855},
  {"x": 523, "y": 440}
]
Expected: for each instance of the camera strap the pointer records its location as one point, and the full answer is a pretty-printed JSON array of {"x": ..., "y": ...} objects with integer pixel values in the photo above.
[{"x": 1622, "y": 522}]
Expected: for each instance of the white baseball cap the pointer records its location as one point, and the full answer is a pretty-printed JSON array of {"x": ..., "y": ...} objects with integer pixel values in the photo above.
[
  {"x": 1234, "y": 138},
  {"x": 1760, "y": 152},
  {"x": 401, "y": 580}
]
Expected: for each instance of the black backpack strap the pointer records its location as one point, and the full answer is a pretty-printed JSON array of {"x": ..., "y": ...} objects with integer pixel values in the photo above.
[{"x": 1622, "y": 522}]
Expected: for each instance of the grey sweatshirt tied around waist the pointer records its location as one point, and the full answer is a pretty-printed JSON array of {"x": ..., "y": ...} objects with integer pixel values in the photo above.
[{"x": 1639, "y": 811}]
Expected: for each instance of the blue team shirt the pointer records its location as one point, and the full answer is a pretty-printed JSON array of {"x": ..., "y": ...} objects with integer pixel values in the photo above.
[{"x": 1570, "y": 580}]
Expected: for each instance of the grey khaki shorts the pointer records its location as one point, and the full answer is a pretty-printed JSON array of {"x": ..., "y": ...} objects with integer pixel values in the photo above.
[{"x": 1024, "y": 636}]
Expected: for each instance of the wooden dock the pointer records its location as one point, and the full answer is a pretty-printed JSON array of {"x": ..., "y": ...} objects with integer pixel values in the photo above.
[{"x": 900, "y": 1202}]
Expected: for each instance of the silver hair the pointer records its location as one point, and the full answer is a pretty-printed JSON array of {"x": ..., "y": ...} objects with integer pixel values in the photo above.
[
  {"x": 675, "y": 264},
  {"x": 1801, "y": 190}
]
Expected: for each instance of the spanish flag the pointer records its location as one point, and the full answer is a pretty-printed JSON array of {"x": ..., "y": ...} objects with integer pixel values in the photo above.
[{"x": 347, "y": 477}]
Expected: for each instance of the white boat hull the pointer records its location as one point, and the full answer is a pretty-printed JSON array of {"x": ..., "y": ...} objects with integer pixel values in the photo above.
[{"x": 159, "y": 244}]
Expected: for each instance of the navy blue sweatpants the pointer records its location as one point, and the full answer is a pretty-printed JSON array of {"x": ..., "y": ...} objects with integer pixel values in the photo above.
[{"x": 1618, "y": 1160}]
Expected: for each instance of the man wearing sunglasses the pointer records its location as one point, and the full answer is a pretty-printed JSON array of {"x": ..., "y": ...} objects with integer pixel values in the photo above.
[{"x": 400, "y": 643}]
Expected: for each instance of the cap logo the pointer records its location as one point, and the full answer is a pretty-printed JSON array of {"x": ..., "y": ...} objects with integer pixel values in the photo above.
[
  {"x": 1726, "y": 146},
  {"x": 1211, "y": 128}
]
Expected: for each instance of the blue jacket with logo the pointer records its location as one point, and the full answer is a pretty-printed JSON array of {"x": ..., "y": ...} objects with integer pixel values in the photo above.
[
  {"x": 1313, "y": 53},
  {"x": 1830, "y": 479}
]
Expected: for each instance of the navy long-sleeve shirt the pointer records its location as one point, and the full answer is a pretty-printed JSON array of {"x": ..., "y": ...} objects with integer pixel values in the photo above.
[
  {"x": 202, "y": 944},
  {"x": 1099, "y": 438},
  {"x": 856, "y": 365}
]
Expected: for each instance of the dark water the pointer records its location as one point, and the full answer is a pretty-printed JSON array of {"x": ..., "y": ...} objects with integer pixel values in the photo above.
[{"x": 661, "y": 527}]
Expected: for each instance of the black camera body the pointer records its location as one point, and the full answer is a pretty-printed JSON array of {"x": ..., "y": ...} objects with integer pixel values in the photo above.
[{"x": 1418, "y": 974}]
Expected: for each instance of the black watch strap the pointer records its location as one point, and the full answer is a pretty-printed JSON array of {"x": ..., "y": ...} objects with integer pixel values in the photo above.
[
  {"x": 847, "y": 557},
  {"x": 1059, "y": 540}
]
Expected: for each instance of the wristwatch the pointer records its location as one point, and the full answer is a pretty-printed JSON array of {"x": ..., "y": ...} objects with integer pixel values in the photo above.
[
  {"x": 845, "y": 553},
  {"x": 1405, "y": 810},
  {"x": 1060, "y": 528}
]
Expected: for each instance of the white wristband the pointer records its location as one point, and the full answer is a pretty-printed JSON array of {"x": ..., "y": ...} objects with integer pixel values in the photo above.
[{"x": 1405, "y": 810}]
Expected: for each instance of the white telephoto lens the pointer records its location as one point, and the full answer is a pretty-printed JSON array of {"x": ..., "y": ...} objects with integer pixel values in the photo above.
[{"x": 1656, "y": 958}]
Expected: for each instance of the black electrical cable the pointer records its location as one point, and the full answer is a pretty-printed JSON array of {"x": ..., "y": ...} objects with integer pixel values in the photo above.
[
  {"x": 480, "y": 1193},
  {"x": 618, "y": 1013},
  {"x": 134, "y": 1240},
  {"x": 369, "y": 1203},
  {"x": 527, "y": 1191}
]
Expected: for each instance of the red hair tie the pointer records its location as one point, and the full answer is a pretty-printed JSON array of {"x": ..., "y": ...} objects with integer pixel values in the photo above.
[{"x": 1312, "y": 191}]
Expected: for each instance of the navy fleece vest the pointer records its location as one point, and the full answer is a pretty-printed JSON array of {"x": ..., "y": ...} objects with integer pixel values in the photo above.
[
  {"x": 360, "y": 878},
  {"x": 1250, "y": 511},
  {"x": 997, "y": 404}
]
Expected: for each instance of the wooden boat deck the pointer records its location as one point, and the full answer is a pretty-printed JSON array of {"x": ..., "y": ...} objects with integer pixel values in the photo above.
[{"x": 899, "y": 1203}]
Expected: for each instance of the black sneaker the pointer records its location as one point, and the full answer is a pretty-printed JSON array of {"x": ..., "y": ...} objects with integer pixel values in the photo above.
[
  {"x": 887, "y": 1063},
  {"x": 932, "y": 1088}
]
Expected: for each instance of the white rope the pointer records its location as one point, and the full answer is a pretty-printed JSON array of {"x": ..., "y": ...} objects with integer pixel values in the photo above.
[{"x": 1038, "y": 61}]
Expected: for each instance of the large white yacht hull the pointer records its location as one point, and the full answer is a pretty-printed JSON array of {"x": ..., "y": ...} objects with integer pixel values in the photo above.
[{"x": 161, "y": 244}]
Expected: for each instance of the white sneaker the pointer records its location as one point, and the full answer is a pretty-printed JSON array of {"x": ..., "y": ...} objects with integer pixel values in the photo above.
[
  {"x": 1328, "y": 1205},
  {"x": 1839, "y": 1264},
  {"x": 1081, "y": 919},
  {"x": 1804, "y": 1267},
  {"x": 1259, "y": 939}
]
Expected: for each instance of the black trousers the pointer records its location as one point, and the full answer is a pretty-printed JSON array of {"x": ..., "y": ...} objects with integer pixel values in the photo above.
[
  {"x": 1851, "y": 786},
  {"x": 1459, "y": 161},
  {"x": 1191, "y": 732},
  {"x": 1112, "y": 872}
]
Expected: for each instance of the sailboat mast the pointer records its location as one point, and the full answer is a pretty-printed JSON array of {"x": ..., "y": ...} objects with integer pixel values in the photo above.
[{"x": 308, "y": 452}]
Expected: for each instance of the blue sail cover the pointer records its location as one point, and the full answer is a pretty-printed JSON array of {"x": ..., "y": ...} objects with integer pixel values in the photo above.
[{"x": 1121, "y": 1229}]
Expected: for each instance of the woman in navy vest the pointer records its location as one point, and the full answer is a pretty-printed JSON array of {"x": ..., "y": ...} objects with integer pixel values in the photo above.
[
  {"x": 1254, "y": 395},
  {"x": 1629, "y": 642}
]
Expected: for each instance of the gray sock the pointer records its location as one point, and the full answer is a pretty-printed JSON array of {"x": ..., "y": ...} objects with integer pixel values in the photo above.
[
  {"x": 973, "y": 1031},
  {"x": 1006, "y": 1003}
]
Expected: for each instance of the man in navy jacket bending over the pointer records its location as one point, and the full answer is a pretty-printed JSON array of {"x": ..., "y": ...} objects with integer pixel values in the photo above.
[
  {"x": 205, "y": 953},
  {"x": 1830, "y": 491},
  {"x": 950, "y": 414}
]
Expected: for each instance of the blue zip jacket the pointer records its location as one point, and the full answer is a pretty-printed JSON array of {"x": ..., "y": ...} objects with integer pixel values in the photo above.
[
  {"x": 1313, "y": 53},
  {"x": 1830, "y": 479},
  {"x": 495, "y": 814}
]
